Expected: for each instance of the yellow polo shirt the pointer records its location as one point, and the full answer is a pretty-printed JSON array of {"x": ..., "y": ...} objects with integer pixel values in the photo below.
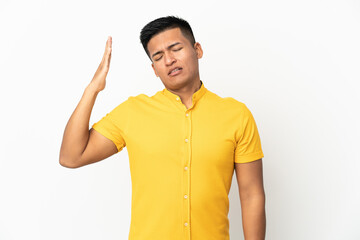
[{"x": 181, "y": 161}]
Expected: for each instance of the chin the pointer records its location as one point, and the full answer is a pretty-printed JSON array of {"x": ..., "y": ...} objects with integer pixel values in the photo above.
[{"x": 177, "y": 83}]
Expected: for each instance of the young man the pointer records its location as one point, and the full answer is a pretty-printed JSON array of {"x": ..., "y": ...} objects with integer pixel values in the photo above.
[{"x": 184, "y": 143}]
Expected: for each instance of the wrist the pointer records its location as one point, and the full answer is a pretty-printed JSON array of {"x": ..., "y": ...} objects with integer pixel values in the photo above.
[{"x": 91, "y": 88}]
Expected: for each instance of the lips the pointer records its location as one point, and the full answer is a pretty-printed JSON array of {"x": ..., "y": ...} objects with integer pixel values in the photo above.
[{"x": 177, "y": 70}]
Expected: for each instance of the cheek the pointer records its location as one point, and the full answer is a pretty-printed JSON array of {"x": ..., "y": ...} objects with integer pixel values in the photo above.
[
  {"x": 159, "y": 70},
  {"x": 163, "y": 71},
  {"x": 189, "y": 59},
  {"x": 192, "y": 64}
]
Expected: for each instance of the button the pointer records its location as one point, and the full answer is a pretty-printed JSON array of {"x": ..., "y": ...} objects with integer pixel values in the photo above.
[
  {"x": 187, "y": 114},
  {"x": 185, "y": 224},
  {"x": 177, "y": 98},
  {"x": 185, "y": 196},
  {"x": 185, "y": 168},
  {"x": 186, "y": 140}
]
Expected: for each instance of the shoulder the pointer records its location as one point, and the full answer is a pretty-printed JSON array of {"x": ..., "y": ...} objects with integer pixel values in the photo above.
[
  {"x": 230, "y": 103},
  {"x": 143, "y": 102},
  {"x": 234, "y": 102},
  {"x": 141, "y": 99}
]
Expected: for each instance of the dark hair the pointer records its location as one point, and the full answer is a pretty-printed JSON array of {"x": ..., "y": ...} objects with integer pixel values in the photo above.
[{"x": 165, "y": 23}]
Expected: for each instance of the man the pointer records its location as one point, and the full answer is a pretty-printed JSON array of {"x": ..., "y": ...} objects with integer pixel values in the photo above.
[{"x": 184, "y": 143}]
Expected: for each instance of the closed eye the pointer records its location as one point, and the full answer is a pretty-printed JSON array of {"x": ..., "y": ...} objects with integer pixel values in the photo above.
[
  {"x": 158, "y": 58},
  {"x": 173, "y": 50}
]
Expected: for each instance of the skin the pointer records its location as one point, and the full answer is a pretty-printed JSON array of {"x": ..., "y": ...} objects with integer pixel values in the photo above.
[
  {"x": 252, "y": 199},
  {"x": 81, "y": 146},
  {"x": 173, "y": 49}
]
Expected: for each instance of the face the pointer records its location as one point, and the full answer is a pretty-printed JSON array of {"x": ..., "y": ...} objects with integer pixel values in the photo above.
[{"x": 171, "y": 50}]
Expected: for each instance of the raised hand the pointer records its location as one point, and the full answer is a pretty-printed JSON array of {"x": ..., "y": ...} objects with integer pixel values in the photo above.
[{"x": 99, "y": 79}]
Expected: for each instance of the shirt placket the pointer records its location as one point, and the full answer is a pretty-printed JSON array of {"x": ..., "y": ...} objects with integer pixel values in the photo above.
[
  {"x": 187, "y": 115},
  {"x": 186, "y": 174},
  {"x": 186, "y": 169}
]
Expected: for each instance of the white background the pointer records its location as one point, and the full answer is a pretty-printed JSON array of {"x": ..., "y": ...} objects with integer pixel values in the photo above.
[{"x": 295, "y": 64}]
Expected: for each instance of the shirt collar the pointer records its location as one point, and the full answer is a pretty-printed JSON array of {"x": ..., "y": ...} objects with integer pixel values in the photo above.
[{"x": 195, "y": 97}]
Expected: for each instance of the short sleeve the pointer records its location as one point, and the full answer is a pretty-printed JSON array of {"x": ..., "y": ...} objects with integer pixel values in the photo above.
[
  {"x": 114, "y": 124},
  {"x": 248, "y": 146}
]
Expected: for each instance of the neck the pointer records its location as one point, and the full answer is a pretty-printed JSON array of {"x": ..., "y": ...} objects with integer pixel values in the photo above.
[{"x": 186, "y": 94}]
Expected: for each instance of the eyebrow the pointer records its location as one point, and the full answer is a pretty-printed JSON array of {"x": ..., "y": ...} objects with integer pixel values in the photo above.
[{"x": 158, "y": 52}]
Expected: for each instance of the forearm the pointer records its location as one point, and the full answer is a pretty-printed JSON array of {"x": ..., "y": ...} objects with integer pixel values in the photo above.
[
  {"x": 76, "y": 132},
  {"x": 253, "y": 217}
]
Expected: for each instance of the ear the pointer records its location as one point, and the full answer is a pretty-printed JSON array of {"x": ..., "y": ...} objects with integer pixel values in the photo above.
[
  {"x": 152, "y": 65},
  {"x": 198, "y": 49}
]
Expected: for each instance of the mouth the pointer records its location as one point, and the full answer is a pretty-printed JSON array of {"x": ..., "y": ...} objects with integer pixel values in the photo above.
[{"x": 175, "y": 71}]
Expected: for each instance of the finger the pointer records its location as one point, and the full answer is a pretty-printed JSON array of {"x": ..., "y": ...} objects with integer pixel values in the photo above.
[
  {"x": 109, "y": 43},
  {"x": 107, "y": 49},
  {"x": 107, "y": 60},
  {"x": 108, "y": 56}
]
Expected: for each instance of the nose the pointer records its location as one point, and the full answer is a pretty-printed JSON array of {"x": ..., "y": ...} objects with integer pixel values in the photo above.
[{"x": 169, "y": 59}]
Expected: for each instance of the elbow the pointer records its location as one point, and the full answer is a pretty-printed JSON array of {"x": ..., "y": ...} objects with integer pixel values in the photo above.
[
  {"x": 66, "y": 162},
  {"x": 258, "y": 196}
]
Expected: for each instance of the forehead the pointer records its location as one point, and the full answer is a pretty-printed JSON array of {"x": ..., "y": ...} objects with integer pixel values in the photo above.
[{"x": 163, "y": 39}]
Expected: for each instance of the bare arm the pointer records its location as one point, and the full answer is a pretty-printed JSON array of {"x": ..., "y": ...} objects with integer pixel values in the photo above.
[
  {"x": 252, "y": 197},
  {"x": 81, "y": 146}
]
